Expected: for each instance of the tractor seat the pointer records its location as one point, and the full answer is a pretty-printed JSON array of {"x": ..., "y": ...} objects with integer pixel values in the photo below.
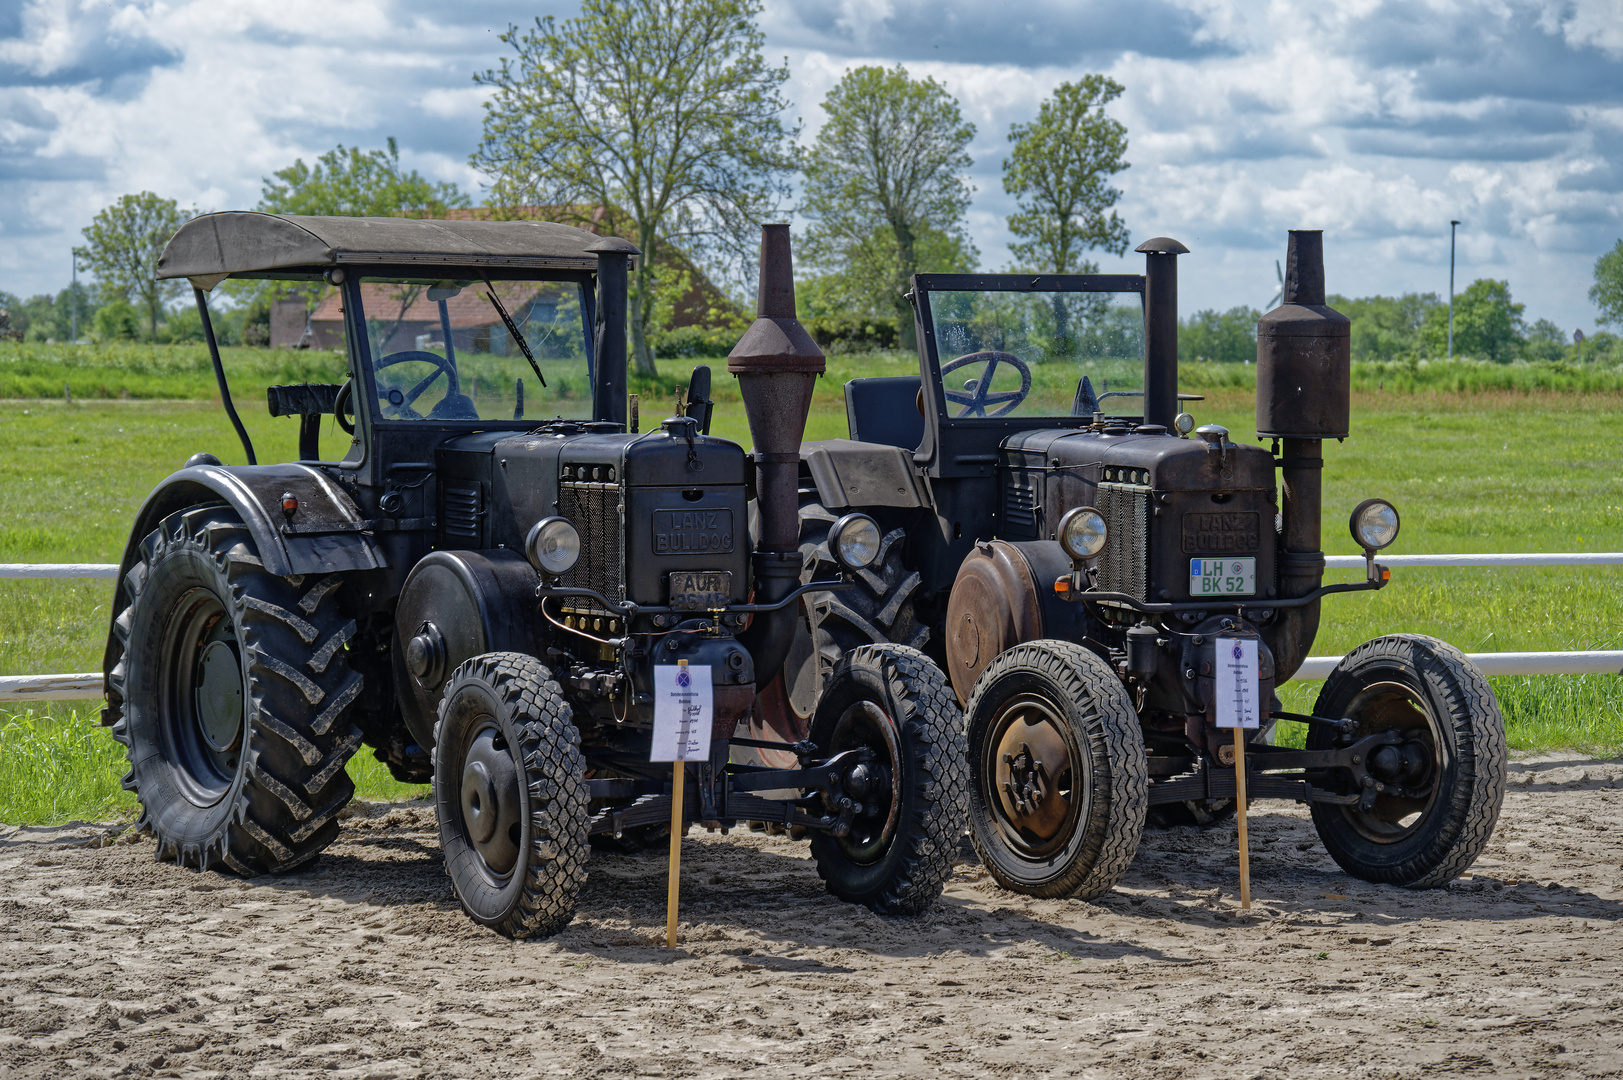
[
  {"x": 454, "y": 407},
  {"x": 885, "y": 410}
]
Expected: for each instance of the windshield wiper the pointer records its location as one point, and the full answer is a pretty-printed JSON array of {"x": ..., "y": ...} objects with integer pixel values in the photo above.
[{"x": 512, "y": 328}]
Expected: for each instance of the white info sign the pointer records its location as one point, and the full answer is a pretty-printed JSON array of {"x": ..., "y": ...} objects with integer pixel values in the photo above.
[
  {"x": 1237, "y": 683},
  {"x": 682, "y": 712}
]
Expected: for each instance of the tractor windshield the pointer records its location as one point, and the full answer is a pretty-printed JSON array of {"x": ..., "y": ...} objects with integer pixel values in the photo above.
[
  {"x": 474, "y": 348},
  {"x": 1025, "y": 352}
]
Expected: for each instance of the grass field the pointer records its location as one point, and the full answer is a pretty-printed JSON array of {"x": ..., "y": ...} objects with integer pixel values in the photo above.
[{"x": 1501, "y": 466}]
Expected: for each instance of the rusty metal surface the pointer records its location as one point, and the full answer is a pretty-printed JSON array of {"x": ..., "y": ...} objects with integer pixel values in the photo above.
[
  {"x": 993, "y": 606},
  {"x": 1304, "y": 353}
]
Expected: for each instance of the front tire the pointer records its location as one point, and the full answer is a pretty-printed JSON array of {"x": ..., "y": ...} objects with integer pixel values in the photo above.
[
  {"x": 235, "y": 697},
  {"x": 1058, "y": 781},
  {"x": 510, "y": 795},
  {"x": 1445, "y": 782},
  {"x": 899, "y": 853}
]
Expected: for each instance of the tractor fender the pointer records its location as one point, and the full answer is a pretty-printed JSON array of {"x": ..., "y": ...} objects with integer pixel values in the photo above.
[{"x": 255, "y": 493}]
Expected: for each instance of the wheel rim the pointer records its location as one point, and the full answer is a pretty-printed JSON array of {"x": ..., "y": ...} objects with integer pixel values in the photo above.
[
  {"x": 1389, "y": 706},
  {"x": 203, "y": 698},
  {"x": 1032, "y": 776},
  {"x": 876, "y": 784},
  {"x": 491, "y": 800}
]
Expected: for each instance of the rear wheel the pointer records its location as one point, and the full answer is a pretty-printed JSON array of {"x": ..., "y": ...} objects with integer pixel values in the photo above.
[
  {"x": 1437, "y": 787},
  {"x": 510, "y": 795},
  {"x": 235, "y": 696},
  {"x": 1058, "y": 781},
  {"x": 892, "y": 702}
]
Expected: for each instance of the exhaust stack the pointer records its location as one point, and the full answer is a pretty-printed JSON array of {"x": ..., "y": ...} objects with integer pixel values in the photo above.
[
  {"x": 1304, "y": 386},
  {"x": 1161, "y": 329},
  {"x": 777, "y": 365}
]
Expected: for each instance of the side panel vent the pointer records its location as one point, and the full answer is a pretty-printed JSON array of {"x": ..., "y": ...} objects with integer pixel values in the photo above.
[
  {"x": 1125, "y": 562},
  {"x": 1019, "y": 506},
  {"x": 463, "y": 513}
]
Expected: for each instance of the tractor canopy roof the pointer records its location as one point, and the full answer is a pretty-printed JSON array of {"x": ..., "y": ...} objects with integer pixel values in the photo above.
[{"x": 246, "y": 243}]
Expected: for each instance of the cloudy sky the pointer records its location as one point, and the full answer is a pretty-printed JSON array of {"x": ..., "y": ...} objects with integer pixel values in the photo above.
[{"x": 1377, "y": 122}]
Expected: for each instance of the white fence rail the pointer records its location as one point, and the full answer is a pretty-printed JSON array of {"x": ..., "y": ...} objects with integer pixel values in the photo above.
[{"x": 88, "y": 684}]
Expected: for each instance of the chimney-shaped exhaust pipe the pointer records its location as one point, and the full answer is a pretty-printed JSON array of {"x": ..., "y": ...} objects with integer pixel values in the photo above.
[
  {"x": 609, "y": 332},
  {"x": 777, "y": 365},
  {"x": 1304, "y": 385},
  {"x": 1161, "y": 329}
]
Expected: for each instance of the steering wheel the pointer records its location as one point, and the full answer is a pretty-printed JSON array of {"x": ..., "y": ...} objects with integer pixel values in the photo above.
[
  {"x": 976, "y": 396},
  {"x": 341, "y": 402},
  {"x": 442, "y": 366}
]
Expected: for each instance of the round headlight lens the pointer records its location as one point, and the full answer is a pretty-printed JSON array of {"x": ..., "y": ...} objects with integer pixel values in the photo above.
[
  {"x": 854, "y": 539},
  {"x": 553, "y": 545},
  {"x": 1082, "y": 532},
  {"x": 1374, "y": 524}
]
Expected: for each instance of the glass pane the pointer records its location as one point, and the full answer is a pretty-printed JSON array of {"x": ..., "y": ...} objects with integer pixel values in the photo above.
[
  {"x": 1026, "y": 353},
  {"x": 443, "y": 350}
]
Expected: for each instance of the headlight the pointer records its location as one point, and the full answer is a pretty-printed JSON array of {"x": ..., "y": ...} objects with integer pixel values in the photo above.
[
  {"x": 1374, "y": 524},
  {"x": 553, "y": 545},
  {"x": 854, "y": 540},
  {"x": 1082, "y": 532}
]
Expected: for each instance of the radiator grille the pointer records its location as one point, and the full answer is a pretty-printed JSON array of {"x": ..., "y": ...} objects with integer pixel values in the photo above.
[
  {"x": 594, "y": 509},
  {"x": 1124, "y": 564},
  {"x": 464, "y": 511}
]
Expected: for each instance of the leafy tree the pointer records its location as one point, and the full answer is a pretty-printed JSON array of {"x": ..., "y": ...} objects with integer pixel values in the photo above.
[
  {"x": 1228, "y": 337},
  {"x": 660, "y": 114},
  {"x": 1545, "y": 341},
  {"x": 885, "y": 185},
  {"x": 350, "y": 182},
  {"x": 123, "y": 243},
  {"x": 1607, "y": 292},
  {"x": 1059, "y": 171},
  {"x": 1486, "y": 323},
  {"x": 117, "y": 321},
  {"x": 1387, "y": 328},
  {"x": 865, "y": 285}
]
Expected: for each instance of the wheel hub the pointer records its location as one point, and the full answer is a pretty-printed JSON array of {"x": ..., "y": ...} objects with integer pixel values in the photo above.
[
  {"x": 219, "y": 697},
  {"x": 1031, "y": 770},
  {"x": 491, "y": 800},
  {"x": 874, "y": 783}
]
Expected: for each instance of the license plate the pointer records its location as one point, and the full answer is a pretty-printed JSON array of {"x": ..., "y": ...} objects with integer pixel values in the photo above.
[
  {"x": 1223, "y": 577},
  {"x": 700, "y": 590}
]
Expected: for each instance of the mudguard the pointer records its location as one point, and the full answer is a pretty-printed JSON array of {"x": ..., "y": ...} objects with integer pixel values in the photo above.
[{"x": 255, "y": 493}]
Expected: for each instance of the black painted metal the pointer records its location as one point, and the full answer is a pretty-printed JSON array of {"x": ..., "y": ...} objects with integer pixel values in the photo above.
[
  {"x": 219, "y": 374},
  {"x": 1161, "y": 329},
  {"x": 609, "y": 337}
]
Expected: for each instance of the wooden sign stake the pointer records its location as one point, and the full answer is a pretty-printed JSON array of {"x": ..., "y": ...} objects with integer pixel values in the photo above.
[
  {"x": 1239, "y": 810},
  {"x": 674, "y": 887}
]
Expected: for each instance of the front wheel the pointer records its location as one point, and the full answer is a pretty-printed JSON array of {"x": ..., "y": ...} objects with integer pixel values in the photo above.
[
  {"x": 510, "y": 795},
  {"x": 1438, "y": 786},
  {"x": 892, "y": 702},
  {"x": 1058, "y": 780}
]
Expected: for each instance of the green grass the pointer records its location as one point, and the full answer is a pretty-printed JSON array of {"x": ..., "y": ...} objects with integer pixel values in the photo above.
[{"x": 1505, "y": 468}]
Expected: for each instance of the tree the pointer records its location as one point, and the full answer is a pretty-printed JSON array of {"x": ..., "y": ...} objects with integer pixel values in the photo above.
[
  {"x": 1486, "y": 323},
  {"x": 1059, "y": 172},
  {"x": 1607, "y": 292},
  {"x": 1228, "y": 337},
  {"x": 1388, "y": 328},
  {"x": 884, "y": 182},
  {"x": 661, "y": 115},
  {"x": 123, "y": 245},
  {"x": 350, "y": 182}
]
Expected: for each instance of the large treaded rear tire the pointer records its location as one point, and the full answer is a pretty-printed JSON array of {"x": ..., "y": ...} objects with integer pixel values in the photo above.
[
  {"x": 234, "y": 699},
  {"x": 1086, "y": 728},
  {"x": 512, "y": 699},
  {"x": 1413, "y": 682},
  {"x": 901, "y": 872}
]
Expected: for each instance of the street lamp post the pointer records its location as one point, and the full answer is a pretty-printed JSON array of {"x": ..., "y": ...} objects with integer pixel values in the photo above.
[
  {"x": 73, "y": 298},
  {"x": 1452, "y": 225}
]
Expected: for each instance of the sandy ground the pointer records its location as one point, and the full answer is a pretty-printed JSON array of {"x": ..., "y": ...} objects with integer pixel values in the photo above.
[{"x": 114, "y": 965}]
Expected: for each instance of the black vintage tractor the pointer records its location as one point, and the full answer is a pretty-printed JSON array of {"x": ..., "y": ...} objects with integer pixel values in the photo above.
[
  {"x": 1090, "y": 576},
  {"x": 486, "y": 580}
]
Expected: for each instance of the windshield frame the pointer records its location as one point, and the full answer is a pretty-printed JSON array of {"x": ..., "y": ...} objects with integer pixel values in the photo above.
[
  {"x": 975, "y": 439},
  {"x": 361, "y": 344}
]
